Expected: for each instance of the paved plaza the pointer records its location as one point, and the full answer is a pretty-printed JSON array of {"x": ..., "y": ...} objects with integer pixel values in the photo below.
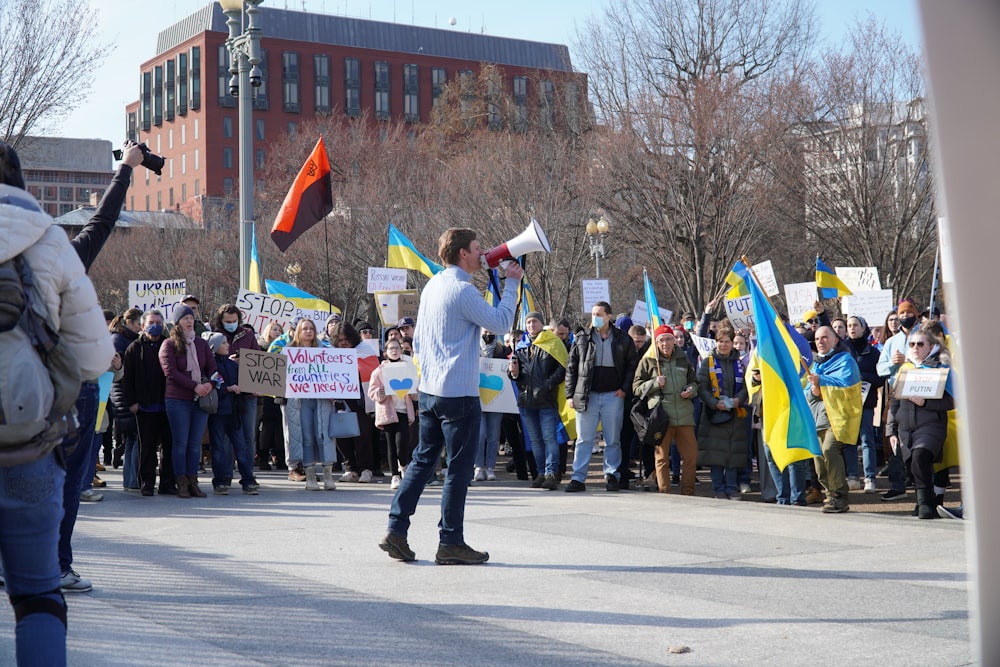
[{"x": 296, "y": 578}]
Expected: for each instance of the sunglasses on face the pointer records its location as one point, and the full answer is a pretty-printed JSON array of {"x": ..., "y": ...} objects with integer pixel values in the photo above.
[
  {"x": 813, "y": 321},
  {"x": 917, "y": 343},
  {"x": 366, "y": 331}
]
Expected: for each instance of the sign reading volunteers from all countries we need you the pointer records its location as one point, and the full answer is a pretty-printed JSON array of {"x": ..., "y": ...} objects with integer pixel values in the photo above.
[
  {"x": 322, "y": 372},
  {"x": 159, "y": 294}
]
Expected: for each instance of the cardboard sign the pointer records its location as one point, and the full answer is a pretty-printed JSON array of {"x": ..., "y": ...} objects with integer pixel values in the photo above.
[
  {"x": 765, "y": 275},
  {"x": 322, "y": 372},
  {"x": 921, "y": 383},
  {"x": 259, "y": 310},
  {"x": 594, "y": 291},
  {"x": 640, "y": 315},
  {"x": 705, "y": 346},
  {"x": 865, "y": 388},
  {"x": 496, "y": 393},
  {"x": 873, "y": 306},
  {"x": 799, "y": 297},
  {"x": 160, "y": 294},
  {"x": 859, "y": 278},
  {"x": 262, "y": 373},
  {"x": 740, "y": 312},
  {"x": 381, "y": 279},
  {"x": 400, "y": 380},
  {"x": 396, "y": 304},
  {"x": 368, "y": 361}
]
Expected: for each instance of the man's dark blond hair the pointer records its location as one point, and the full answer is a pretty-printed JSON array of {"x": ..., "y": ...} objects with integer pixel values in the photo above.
[{"x": 452, "y": 242}]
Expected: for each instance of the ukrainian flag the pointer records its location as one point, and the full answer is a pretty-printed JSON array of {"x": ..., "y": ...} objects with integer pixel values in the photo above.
[
  {"x": 254, "y": 282},
  {"x": 552, "y": 344},
  {"x": 829, "y": 285},
  {"x": 492, "y": 294},
  {"x": 652, "y": 307},
  {"x": 300, "y": 298},
  {"x": 527, "y": 299},
  {"x": 788, "y": 425},
  {"x": 738, "y": 278},
  {"x": 840, "y": 386},
  {"x": 403, "y": 255}
]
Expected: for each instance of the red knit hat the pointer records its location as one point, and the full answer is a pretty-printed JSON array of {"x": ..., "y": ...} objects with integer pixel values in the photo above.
[{"x": 663, "y": 329}]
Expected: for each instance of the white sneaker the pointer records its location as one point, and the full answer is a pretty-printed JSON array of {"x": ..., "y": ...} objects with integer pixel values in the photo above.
[
  {"x": 853, "y": 483},
  {"x": 366, "y": 476},
  {"x": 480, "y": 475},
  {"x": 72, "y": 582},
  {"x": 744, "y": 488},
  {"x": 870, "y": 485},
  {"x": 91, "y": 496},
  {"x": 395, "y": 482},
  {"x": 349, "y": 476},
  {"x": 491, "y": 476}
]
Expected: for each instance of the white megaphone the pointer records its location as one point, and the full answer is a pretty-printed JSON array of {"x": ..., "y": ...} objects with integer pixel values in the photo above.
[{"x": 531, "y": 239}]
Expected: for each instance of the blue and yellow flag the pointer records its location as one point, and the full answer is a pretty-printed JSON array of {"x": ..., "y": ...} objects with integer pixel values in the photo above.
[
  {"x": 652, "y": 307},
  {"x": 829, "y": 285},
  {"x": 492, "y": 294},
  {"x": 527, "y": 299},
  {"x": 788, "y": 425},
  {"x": 552, "y": 344},
  {"x": 840, "y": 385},
  {"x": 404, "y": 255},
  {"x": 300, "y": 298},
  {"x": 253, "y": 280},
  {"x": 737, "y": 279}
]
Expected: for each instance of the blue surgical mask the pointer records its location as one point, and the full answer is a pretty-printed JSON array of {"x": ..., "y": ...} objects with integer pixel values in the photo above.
[
  {"x": 689, "y": 325},
  {"x": 597, "y": 321},
  {"x": 155, "y": 330},
  {"x": 231, "y": 327}
]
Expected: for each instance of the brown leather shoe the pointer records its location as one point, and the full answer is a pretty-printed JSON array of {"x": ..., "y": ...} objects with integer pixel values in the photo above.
[
  {"x": 193, "y": 487},
  {"x": 182, "y": 486}
]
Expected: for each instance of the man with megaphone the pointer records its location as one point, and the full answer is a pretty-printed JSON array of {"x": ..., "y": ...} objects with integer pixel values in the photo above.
[{"x": 446, "y": 346}]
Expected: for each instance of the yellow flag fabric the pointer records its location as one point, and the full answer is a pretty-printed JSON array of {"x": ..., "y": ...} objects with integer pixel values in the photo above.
[
  {"x": 843, "y": 409},
  {"x": 552, "y": 344}
]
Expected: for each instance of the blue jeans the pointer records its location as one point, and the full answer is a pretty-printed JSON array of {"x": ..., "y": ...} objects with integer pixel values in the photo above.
[
  {"x": 187, "y": 425},
  {"x": 790, "y": 483},
  {"x": 130, "y": 461},
  {"x": 79, "y": 467},
  {"x": 608, "y": 410},
  {"x": 486, "y": 457},
  {"x": 219, "y": 427},
  {"x": 723, "y": 480},
  {"x": 30, "y": 510},
  {"x": 451, "y": 424},
  {"x": 248, "y": 421},
  {"x": 869, "y": 453},
  {"x": 542, "y": 424}
]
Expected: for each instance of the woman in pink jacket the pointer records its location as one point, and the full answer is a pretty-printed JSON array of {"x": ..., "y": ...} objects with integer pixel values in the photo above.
[{"x": 393, "y": 415}]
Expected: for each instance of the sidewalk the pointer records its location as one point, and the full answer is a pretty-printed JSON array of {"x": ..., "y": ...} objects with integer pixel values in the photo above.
[{"x": 296, "y": 578}]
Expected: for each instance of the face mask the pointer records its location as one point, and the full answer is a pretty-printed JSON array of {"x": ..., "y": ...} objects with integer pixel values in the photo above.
[
  {"x": 155, "y": 330},
  {"x": 908, "y": 321},
  {"x": 689, "y": 325},
  {"x": 231, "y": 326},
  {"x": 597, "y": 321},
  {"x": 489, "y": 338}
]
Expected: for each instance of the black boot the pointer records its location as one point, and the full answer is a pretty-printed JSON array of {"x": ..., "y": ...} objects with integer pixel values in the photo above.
[{"x": 926, "y": 504}]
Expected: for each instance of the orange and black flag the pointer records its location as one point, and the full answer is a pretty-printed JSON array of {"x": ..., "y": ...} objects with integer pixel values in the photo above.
[{"x": 308, "y": 201}]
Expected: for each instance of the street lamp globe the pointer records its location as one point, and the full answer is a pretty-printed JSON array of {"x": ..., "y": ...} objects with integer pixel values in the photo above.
[
  {"x": 231, "y": 5},
  {"x": 591, "y": 227},
  {"x": 602, "y": 225}
]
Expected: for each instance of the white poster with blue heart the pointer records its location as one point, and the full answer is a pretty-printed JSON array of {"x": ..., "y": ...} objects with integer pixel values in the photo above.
[
  {"x": 400, "y": 380},
  {"x": 496, "y": 391}
]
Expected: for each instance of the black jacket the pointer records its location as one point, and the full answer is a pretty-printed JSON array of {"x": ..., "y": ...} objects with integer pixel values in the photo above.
[
  {"x": 580, "y": 368},
  {"x": 144, "y": 382},
  {"x": 538, "y": 378},
  {"x": 124, "y": 421},
  {"x": 91, "y": 239}
]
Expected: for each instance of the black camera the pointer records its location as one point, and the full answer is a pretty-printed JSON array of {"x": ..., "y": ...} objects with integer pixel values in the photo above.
[{"x": 150, "y": 160}]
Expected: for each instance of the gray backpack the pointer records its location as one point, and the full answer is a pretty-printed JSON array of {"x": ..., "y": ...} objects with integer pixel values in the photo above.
[{"x": 39, "y": 378}]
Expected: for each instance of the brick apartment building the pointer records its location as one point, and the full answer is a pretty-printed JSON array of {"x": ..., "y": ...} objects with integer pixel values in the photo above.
[{"x": 317, "y": 64}]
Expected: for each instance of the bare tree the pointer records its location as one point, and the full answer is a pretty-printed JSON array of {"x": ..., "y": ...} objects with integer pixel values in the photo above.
[{"x": 48, "y": 55}]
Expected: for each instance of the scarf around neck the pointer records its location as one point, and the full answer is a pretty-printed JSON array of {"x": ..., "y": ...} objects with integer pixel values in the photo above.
[{"x": 194, "y": 368}]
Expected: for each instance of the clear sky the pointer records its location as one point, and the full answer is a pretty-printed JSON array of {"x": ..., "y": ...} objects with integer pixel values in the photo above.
[{"x": 133, "y": 31}]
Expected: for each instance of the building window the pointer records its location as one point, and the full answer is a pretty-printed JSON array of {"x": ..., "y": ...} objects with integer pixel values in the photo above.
[
  {"x": 132, "y": 131},
  {"x": 546, "y": 103},
  {"x": 182, "y": 84},
  {"x": 195, "y": 102},
  {"x": 147, "y": 202},
  {"x": 170, "y": 139},
  {"x": 65, "y": 208},
  {"x": 227, "y": 187},
  {"x": 83, "y": 194},
  {"x": 66, "y": 194},
  {"x": 259, "y": 129},
  {"x": 467, "y": 95},
  {"x": 197, "y": 187},
  {"x": 571, "y": 110},
  {"x": 520, "y": 103},
  {"x": 159, "y": 200},
  {"x": 183, "y": 134},
  {"x": 292, "y": 129},
  {"x": 260, "y": 92},
  {"x": 51, "y": 192},
  {"x": 321, "y": 65},
  {"x": 196, "y": 131},
  {"x": 352, "y": 87},
  {"x": 381, "y": 89},
  {"x": 258, "y": 158},
  {"x": 493, "y": 120},
  {"x": 225, "y": 99},
  {"x": 411, "y": 102},
  {"x": 184, "y": 164},
  {"x": 184, "y": 192},
  {"x": 158, "y": 95},
  {"x": 171, "y": 89},
  {"x": 439, "y": 77},
  {"x": 227, "y": 127},
  {"x": 290, "y": 81},
  {"x": 147, "y": 101},
  {"x": 227, "y": 158},
  {"x": 195, "y": 160},
  {"x": 170, "y": 198}
]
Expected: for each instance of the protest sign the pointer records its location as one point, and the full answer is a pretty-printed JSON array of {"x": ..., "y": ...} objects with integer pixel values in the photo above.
[
  {"x": 368, "y": 361},
  {"x": 765, "y": 276},
  {"x": 495, "y": 391},
  {"x": 594, "y": 291},
  {"x": 381, "y": 279},
  {"x": 859, "y": 278},
  {"x": 259, "y": 310},
  {"x": 705, "y": 346},
  {"x": 640, "y": 315},
  {"x": 395, "y": 304},
  {"x": 400, "y": 380},
  {"x": 262, "y": 372},
  {"x": 740, "y": 312},
  {"x": 873, "y": 306},
  {"x": 322, "y": 372},
  {"x": 160, "y": 294},
  {"x": 920, "y": 383},
  {"x": 799, "y": 297}
]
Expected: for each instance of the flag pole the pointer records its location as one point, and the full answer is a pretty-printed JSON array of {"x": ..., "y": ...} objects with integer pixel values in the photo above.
[
  {"x": 326, "y": 246},
  {"x": 934, "y": 282}
]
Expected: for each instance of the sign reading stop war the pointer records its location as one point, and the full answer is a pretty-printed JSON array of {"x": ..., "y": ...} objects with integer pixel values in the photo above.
[
  {"x": 262, "y": 372},
  {"x": 322, "y": 372}
]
